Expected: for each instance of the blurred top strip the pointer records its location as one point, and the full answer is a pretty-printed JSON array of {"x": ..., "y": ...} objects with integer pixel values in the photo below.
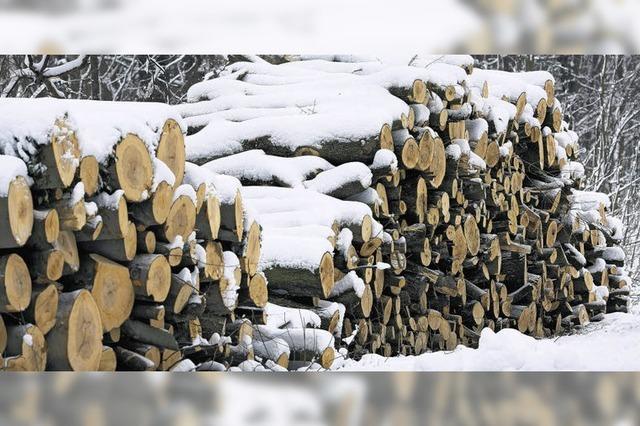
[{"x": 355, "y": 26}]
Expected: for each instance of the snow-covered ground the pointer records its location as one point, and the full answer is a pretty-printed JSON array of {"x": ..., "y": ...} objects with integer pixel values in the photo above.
[{"x": 610, "y": 345}]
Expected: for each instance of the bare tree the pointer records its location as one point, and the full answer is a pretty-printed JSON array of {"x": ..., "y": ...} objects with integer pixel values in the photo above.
[
  {"x": 599, "y": 95},
  {"x": 160, "y": 78}
]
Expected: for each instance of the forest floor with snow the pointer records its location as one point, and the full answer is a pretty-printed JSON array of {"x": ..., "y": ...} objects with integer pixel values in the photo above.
[{"x": 610, "y": 345}]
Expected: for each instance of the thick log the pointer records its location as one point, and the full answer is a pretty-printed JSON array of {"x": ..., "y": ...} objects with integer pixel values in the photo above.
[
  {"x": 131, "y": 169},
  {"x": 121, "y": 249},
  {"x": 145, "y": 333},
  {"x": 113, "y": 210},
  {"x": 75, "y": 342},
  {"x": 305, "y": 344},
  {"x": 155, "y": 210},
  {"x": 16, "y": 214},
  {"x": 151, "y": 276},
  {"x": 108, "y": 360},
  {"x": 128, "y": 360},
  {"x": 46, "y": 229},
  {"x": 110, "y": 286},
  {"x": 43, "y": 307},
  {"x": 26, "y": 349},
  {"x": 300, "y": 281},
  {"x": 47, "y": 265},
  {"x": 181, "y": 219},
  {"x": 171, "y": 149},
  {"x": 15, "y": 284}
]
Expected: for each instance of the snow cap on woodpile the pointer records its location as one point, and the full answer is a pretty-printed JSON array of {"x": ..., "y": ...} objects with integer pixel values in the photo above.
[
  {"x": 255, "y": 167},
  {"x": 98, "y": 125},
  {"x": 11, "y": 167}
]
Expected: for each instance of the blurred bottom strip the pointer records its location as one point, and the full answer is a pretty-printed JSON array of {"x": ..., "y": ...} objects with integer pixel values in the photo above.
[{"x": 329, "y": 399}]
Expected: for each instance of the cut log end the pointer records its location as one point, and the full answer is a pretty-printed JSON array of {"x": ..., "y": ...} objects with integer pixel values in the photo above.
[
  {"x": 549, "y": 88},
  {"x": 18, "y": 207},
  {"x": 112, "y": 292},
  {"x": 130, "y": 241},
  {"x": 55, "y": 265},
  {"x": 438, "y": 165},
  {"x": 44, "y": 308},
  {"x": 283, "y": 360},
  {"x": 15, "y": 292},
  {"x": 75, "y": 342},
  {"x": 327, "y": 357},
  {"x": 212, "y": 219},
  {"x": 238, "y": 215},
  {"x": 181, "y": 219},
  {"x": 366, "y": 228},
  {"x": 326, "y": 273},
  {"x": 85, "y": 334},
  {"x": 161, "y": 202},
  {"x": 410, "y": 154},
  {"x": 108, "y": 361},
  {"x": 258, "y": 292},
  {"x": 151, "y": 276},
  {"x": 252, "y": 248},
  {"x": 472, "y": 235},
  {"x": 171, "y": 149},
  {"x": 419, "y": 92},
  {"x": 26, "y": 348},
  {"x": 51, "y": 226},
  {"x": 146, "y": 242},
  {"x": 386, "y": 137},
  {"x": 66, "y": 243},
  {"x": 366, "y": 302},
  {"x": 214, "y": 267},
  {"x": 89, "y": 174},
  {"x": 134, "y": 169},
  {"x": 66, "y": 153}
]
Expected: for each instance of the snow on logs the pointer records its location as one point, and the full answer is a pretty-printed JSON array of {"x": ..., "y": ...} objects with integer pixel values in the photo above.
[
  {"x": 111, "y": 240},
  {"x": 475, "y": 215},
  {"x": 327, "y": 209}
]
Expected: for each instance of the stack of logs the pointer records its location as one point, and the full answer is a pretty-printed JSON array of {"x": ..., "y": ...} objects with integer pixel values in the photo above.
[
  {"x": 99, "y": 249},
  {"x": 467, "y": 213},
  {"x": 481, "y": 224}
]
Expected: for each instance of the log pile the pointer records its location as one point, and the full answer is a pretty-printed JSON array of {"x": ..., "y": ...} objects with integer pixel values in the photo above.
[
  {"x": 101, "y": 262},
  {"x": 314, "y": 211},
  {"x": 477, "y": 217}
]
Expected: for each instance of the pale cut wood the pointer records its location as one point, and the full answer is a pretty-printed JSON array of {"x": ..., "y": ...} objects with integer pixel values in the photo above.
[
  {"x": 43, "y": 307},
  {"x": 46, "y": 229},
  {"x": 108, "y": 361},
  {"x": 155, "y": 210},
  {"x": 89, "y": 175},
  {"x": 208, "y": 218},
  {"x": 151, "y": 276},
  {"x": 26, "y": 348},
  {"x": 121, "y": 250},
  {"x": 171, "y": 149},
  {"x": 301, "y": 281},
  {"x": 58, "y": 159},
  {"x": 16, "y": 214},
  {"x": 133, "y": 169},
  {"x": 75, "y": 342},
  {"x": 181, "y": 220},
  {"x": 15, "y": 284},
  {"x": 110, "y": 286}
]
